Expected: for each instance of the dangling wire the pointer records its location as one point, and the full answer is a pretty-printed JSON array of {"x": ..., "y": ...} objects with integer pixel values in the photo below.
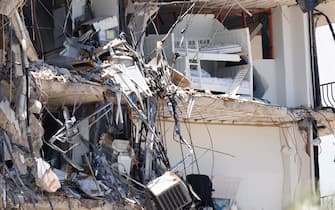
[
  {"x": 319, "y": 13},
  {"x": 188, "y": 128},
  {"x": 212, "y": 148},
  {"x": 180, "y": 18}
]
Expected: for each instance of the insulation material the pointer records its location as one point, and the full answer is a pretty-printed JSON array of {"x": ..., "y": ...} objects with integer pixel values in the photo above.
[{"x": 45, "y": 177}]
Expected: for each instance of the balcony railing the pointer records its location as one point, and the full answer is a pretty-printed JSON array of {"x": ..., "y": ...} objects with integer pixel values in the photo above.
[{"x": 327, "y": 94}]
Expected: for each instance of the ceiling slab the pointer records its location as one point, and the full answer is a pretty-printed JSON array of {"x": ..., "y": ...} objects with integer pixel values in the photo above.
[
  {"x": 248, "y": 4},
  {"x": 229, "y": 4}
]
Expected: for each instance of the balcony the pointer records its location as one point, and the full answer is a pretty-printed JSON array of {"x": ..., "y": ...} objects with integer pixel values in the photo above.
[{"x": 327, "y": 94}]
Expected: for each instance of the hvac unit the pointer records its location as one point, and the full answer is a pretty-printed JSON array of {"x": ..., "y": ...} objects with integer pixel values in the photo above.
[{"x": 170, "y": 191}]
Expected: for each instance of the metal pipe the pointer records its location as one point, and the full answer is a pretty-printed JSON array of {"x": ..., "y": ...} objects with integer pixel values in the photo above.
[
  {"x": 314, "y": 62},
  {"x": 315, "y": 87}
]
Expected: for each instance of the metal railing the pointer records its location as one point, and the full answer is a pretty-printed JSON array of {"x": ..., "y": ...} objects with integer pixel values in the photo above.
[{"x": 327, "y": 94}]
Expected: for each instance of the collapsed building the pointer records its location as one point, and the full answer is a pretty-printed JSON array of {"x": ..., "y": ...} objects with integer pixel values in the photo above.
[{"x": 96, "y": 112}]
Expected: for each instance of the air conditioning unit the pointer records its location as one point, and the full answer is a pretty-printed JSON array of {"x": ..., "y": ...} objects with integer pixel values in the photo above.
[{"x": 170, "y": 192}]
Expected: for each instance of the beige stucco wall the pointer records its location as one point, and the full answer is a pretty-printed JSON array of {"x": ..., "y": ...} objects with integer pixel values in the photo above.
[
  {"x": 329, "y": 9},
  {"x": 270, "y": 164}
]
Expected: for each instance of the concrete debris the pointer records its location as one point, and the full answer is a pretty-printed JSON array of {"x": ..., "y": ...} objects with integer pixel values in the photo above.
[
  {"x": 57, "y": 86},
  {"x": 6, "y": 89},
  {"x": 37, "y": 133},
  {"x": 9, "y": 122}
]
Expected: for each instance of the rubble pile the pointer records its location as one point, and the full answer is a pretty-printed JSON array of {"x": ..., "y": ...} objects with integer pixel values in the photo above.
[
  {"x": 82, "y": 119},
  {"x": 84, "y": 124}
]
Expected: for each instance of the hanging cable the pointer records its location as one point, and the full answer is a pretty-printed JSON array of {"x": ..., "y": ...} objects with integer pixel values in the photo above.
[
  {"x": 177, "y": 129},
  {"x": 180, "y": 18},
  {"x": 319, "y": 13},
  {"x": 212, "y": 147},
  {"x": 188, "y": 128}
]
